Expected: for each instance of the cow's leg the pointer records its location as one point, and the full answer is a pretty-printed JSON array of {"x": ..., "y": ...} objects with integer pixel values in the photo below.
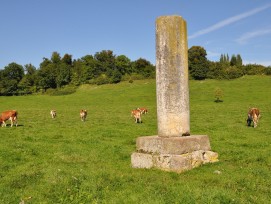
[
  {"x": 11, "y": 121},
  {"x": 254, "y": 121},
  {"x": 15, "y": 121}
]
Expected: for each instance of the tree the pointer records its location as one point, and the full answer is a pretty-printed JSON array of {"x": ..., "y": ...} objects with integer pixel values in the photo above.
[
  {"x": 143, "y": 67},
  {"x": 29, "y": 81},
  {"x": 123, "y": 64},
  {"x": 67, "y": 59},
  {"x": 10, "y": 78},
  {"x": 46, "y": 75},
  {"x": 90, "y": 70},
  {"x": 55, "y": 58},
  {"x": 233, "y": 60},
  {"x": 218, "y": 95},
  {"x": 197, "y": 62},
  {"x": 239, "y": 61},
  {"x": 105, "y": 62},
  {"x": 63, "y": 74}
]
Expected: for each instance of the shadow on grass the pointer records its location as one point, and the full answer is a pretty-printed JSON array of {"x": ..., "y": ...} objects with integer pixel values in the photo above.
[{"x": 218, "y": 101}]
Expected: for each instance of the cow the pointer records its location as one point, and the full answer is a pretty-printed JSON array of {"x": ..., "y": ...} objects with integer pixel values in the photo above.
[
  {"x": 143, "y": 110},
  {"x": 11, "y": 115},
  {"x": 253, "y": 116},
  {"x": 137, "y": 115},
  {"x": 83, "y": 115},
  {"x": 53, "y": 113}
]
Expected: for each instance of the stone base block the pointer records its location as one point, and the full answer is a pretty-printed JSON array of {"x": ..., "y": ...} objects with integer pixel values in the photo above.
[
  {"x": 172, "y": 145},
  {"x": 170, "y": 162},
  {"x": 175, "y": 154}
]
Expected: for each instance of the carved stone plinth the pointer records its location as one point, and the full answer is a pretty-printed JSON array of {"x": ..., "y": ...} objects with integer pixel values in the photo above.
[{"x": 175, "y": 154}]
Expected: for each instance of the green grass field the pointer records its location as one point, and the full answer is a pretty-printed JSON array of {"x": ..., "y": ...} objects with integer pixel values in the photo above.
[{"x": 65, "y": 160}]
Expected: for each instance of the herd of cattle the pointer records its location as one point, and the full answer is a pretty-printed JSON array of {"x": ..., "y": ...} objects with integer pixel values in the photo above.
[
  {"x": 12, "y": 115},
  {"x": 83, "y": 114}
]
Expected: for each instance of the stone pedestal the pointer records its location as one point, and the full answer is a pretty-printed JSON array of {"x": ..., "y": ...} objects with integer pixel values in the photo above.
[
  {"x": 173, "y": 149},
  {"x": 175, "y": 154}
]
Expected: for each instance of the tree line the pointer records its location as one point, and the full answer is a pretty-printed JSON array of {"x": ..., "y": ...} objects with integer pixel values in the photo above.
[
  {"x": 226, "y": 68},
  {"x": 57, "y": 72},
  {"x": 105, "y": 67}
]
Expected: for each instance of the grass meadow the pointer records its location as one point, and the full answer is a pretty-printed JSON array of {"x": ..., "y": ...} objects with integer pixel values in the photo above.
[{"x": 65, "y": 160}]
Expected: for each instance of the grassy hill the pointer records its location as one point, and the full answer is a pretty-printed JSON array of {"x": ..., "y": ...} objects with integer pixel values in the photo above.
[{"x": 65, "y": 160}]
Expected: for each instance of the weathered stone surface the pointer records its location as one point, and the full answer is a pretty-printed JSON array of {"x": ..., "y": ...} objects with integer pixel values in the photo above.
[
  {"x": 140, "y": 160},
  {"x": 173, "y": 149},
  {"x": 172, "y": 145},
  {"x": 171, "y": 162},
  {"x": 210, "y": 157},
  {"x": 172, "y": 91}
]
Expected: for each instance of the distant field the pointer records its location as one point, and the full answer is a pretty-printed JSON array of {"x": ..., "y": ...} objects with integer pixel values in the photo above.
[{"x": 64, "y": 160}]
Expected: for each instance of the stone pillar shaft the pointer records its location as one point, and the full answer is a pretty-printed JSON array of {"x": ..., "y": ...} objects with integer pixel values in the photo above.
[{"x": 172, "y": 90}]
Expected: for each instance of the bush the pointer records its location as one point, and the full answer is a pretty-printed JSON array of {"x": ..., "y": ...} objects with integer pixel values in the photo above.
[
  {"x": 102, "y": 79},
  {"x": 218, "y": 95},
  {"x": 61, "y": 91}
]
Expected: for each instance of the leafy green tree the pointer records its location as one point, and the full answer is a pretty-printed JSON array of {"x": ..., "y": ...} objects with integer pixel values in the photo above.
[
  {"x": 123, "y": 64},
  {"x": 233, "y": 72},
  {"x": 13, "y": 72},
  {"x": 254, "y": 69},
  {"x": 143, "y": 67},
  {"x": 198, "y": 63},
  {"x": 29, "y": 81},
  {"x": 105, "y": 62},
  {"x": 116, "y": 77},
  {"x": 218, "y": 95},
  {"x": 46, "y": 75},
  {"x": 89, "y": 67},
  {"x": 55, "y": 58},
  {"x": 76, "y": 72},
  {"x": 224, "y": 59},
  {"x": 67, "y": 59},
  {"x": 233, "y": 61},
  {"x": 10, "y": 78},
  {"x": 63, "y": 74},
  {"x": 239, "y": 61}
]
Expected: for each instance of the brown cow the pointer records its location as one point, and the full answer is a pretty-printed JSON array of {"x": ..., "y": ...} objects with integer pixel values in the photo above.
[
  {"x": 11, "y": 115},
  {"x": 143, "y": 110},
  {"x": 137, "y": 115},
  {"x": 53, "y": 113},
  {"x": 253, "y": 116},
  {"x": 83, "y": 115}
]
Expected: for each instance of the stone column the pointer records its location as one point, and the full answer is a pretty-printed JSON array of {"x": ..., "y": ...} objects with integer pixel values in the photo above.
[
  {"x": 173, "y": 114},
  {"x": 168, "y": 150}
]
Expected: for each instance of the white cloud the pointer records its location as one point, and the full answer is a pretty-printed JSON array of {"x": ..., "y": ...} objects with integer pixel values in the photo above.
[
  {"x": 228, "y": 21},
  {"x": 244, "y": 38}
]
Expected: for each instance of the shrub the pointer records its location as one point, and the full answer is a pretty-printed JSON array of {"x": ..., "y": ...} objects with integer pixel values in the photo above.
[
  {"x": 61, "y": 91},
  {"x": 218, "y": 95}
]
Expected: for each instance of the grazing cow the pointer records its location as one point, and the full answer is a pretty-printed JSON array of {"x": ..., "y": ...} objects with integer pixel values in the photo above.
[
  {"x": 253, "y": 115},
  {"x": 137, "y": 115},
  {"x": 143, "y": 110},
  {"x": 53, "y": 113},
  {"x": 11, "y": 115},
  {"x": 83, "y": 115}
]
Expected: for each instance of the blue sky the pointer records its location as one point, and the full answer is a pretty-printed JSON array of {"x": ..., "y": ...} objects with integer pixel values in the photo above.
[{"x": 33, "y": 29}]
